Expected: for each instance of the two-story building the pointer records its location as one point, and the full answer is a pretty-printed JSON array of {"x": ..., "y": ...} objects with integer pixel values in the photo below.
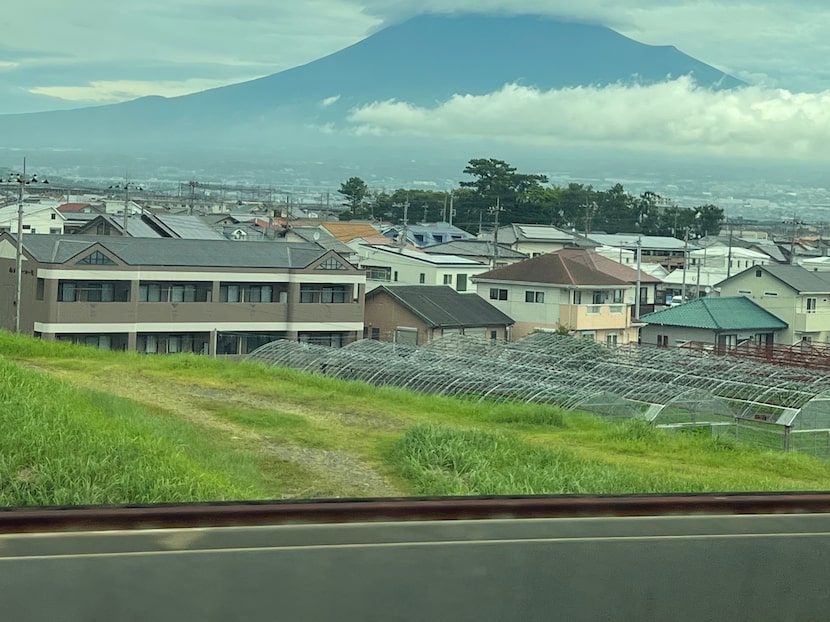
[
  {"x": 799, "y": 297},
  {"x": 161, "y": 295},
  {"x": 37, "y": 218},
  {"x": 576, "y": 290},
  {"x": 405, "y": 266}
]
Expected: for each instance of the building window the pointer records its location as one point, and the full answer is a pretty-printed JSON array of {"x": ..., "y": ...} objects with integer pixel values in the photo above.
[
  {"x": 498, "y": 294},
  {"x": 611, "y": 339},
  {"x": 618, "y": 296},
  {"x": 599, "y": 297},
  {"x": 396, "y": 276},
  {"x": 811, "y": 305},
  {"x": 662, "y": 341},
  {"x": 40, "y": 287},
  {"x": 448, "y": 279},
  {"x": 377, "y": 273},
  {"x": 759, "y": 273},
  {"x": 66, "y": 292},
  {"x": 325, "y": 294},
  {"x": 771, "y": 294},
  {"x": 532, "y": 296},
  {"x": 745, "y": 292},
  {"x": 331, "y": 264},
  {"x": 375, "y": 333},
  {"x": 422, "y": 278},
  {"x": 461, "y": 282},
  {"x": 96, "y": 259}
]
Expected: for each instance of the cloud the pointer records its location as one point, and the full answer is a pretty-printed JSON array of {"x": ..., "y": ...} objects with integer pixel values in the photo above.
[
  {"x": 328, "y": 101},
  {"x": 107, "y": 92},
  {"x": 673, "y": 117}
]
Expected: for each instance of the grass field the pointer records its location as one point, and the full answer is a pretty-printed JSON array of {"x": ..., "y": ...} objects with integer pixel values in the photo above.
[{"x": 82, "y": 426}]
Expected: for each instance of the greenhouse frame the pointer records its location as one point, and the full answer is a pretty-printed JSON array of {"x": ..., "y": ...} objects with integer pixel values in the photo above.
[{"x": 780, "y": 407}]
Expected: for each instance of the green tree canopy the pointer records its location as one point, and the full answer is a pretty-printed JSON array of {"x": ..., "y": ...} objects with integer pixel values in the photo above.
[{"x": 354, "y": 192}]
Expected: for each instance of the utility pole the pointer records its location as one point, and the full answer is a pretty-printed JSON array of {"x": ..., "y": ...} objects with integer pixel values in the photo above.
[
  {"x": 452, "y": 209},
  {"x": 496, "y": 209},
  {"x": 637, "y": 293},
  {"x": 22, "y": 180},
  {"x": 792, "y": 240},
  {"x": 685, "y": 265},
  {"x": 729, "y": 253}
]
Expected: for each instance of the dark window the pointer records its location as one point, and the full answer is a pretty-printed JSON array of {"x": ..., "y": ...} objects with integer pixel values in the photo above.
[
  {"x": 40, "y": 287},
  {"x": 422, "y": 278},
  {"x": 461, "y": 282},
  {"x": 96, "y": 259},
  {"x": 331, "y": 264},
  {"x": 498, "y": 294},
  {"x": 758, "y": 273}
]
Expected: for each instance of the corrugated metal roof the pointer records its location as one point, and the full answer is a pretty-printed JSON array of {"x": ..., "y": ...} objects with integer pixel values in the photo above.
[
  {"x": 189, "y": 227},
  {"x": 727, "y": 313},
  {"x": 440, "y": 305},
  {"x": 59, "y": 249}
]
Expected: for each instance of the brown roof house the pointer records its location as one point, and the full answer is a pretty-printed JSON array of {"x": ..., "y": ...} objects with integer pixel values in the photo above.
[
  {"x": 573, "y": 289},
  {"x": 417, "y": 314}
]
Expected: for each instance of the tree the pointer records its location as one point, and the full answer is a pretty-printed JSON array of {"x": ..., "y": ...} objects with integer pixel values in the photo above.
[
  {"x": 354, "y": 192},
  {"x": 497, "y": 180}
]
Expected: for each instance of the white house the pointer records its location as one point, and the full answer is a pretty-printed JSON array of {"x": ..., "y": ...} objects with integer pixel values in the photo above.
[
  {"x": 37, "y": 218},
  {"x": 393, "y": 264}
]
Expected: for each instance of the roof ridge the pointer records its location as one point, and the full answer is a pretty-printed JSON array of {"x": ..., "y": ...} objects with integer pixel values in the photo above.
[{"x": 705, "y": 303}]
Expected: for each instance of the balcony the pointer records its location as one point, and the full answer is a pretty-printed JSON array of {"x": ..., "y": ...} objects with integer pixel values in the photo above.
[{"x": 594, "y": 317}]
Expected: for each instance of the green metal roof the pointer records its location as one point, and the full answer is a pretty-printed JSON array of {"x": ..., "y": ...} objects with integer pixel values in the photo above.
[{"x": 728, "y": 313}]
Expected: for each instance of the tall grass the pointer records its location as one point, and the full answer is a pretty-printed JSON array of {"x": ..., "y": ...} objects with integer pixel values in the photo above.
[
  {"x": 61, "y": 446},
  {"x": 444, "y": 461}
]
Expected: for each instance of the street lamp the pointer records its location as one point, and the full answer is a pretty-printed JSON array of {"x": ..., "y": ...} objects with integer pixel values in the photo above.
[{"x": 22, "y": 180}]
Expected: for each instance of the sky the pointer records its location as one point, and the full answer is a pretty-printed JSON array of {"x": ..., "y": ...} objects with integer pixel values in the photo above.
[{"x": 58, "y": 54}]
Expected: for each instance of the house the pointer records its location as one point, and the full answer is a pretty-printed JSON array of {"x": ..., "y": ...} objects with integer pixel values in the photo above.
[
  {"x": 174, "y": 295},
  {"x": 725, "y": 322},
  {"x": 665, "y": 250},
  {"x": 150, "y": 225},
  {"x": 393, "y": 264},
  {"x": 423, "y": 235},
  {"x": 573, "y": 289},
  {"x": 798, "y": 296},
  {"x": 37, "y": 218},
  {"x": 417, "y": 314},
  {"x": 535, "y": 240},
  {"x": 482, "y": 251}
]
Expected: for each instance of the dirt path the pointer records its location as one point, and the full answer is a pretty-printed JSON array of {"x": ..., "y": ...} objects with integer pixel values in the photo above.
[{"x": 338, "y": 470}]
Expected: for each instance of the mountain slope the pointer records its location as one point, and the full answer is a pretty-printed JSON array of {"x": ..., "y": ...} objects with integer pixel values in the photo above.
[{"x": 423, "y": 61}]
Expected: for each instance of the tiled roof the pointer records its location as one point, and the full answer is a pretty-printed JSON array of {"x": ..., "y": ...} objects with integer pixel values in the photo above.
[
  {"x": 72, "y": 207},
  {"x": 348, "y": 231},
  {"x": 570, "y": 266},
  {"x": 728, "y": 313},
  {"x": 473, "y": 248},
  {"x": 440, "y": 305},
  {"x": 173, "y": 252},
  {"x": 800, "y": 279}
]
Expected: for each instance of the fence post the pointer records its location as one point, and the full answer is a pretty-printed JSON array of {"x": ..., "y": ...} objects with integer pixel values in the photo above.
[{"x": 787, "y": 430}]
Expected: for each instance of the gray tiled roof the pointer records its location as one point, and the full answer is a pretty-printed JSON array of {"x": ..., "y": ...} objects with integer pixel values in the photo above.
[
  {"x": 800, "y": 279},
  {"x": 473, "y": 248},
  {"x": 59, "y": 249},
  {"x": 440, "y": 305}
]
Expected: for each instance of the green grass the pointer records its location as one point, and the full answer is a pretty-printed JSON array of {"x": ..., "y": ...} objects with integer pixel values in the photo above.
[
  {"x": 198, "y": 428},
  {"x": 63, "y": 446}
]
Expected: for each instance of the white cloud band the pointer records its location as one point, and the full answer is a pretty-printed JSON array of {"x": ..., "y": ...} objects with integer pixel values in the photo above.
[{"x": 674, "y": 117}]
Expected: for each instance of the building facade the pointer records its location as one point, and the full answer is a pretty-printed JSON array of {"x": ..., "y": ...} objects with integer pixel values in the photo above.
[{"x": 169, "y": 295}]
